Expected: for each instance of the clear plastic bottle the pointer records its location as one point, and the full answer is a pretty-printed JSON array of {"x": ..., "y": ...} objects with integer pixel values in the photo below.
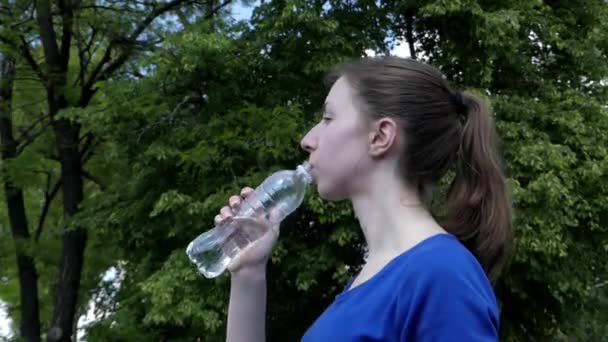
[{"x": 278, "y": 196}]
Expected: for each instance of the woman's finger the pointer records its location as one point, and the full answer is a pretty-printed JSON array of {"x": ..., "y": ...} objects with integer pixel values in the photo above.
[
  {"x": 234, "y": 202},
  {"x": 226, "y": 212},
  {"x": 246, "y": 191}
]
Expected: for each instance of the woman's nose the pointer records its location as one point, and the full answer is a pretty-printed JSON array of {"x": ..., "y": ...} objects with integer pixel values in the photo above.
[{"x": 307, "y": 143}]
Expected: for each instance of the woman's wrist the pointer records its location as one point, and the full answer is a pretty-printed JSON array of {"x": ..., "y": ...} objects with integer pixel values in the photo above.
[{"x": 255, "y": 273}]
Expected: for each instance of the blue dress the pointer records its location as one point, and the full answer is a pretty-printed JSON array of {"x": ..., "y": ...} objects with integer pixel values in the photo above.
[{"x": 435, "y": 291}]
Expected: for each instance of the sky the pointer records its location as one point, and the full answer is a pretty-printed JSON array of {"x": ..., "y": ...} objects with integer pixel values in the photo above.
[
  {"x": 241, "y": 13},
  {"x": 5, "y": 329}
]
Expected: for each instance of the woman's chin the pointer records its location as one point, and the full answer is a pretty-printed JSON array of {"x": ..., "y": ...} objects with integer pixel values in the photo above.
[{"x": 331, "y": 194}]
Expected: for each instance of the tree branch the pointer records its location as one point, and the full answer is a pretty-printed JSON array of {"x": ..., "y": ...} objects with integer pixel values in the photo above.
[
  {"x": 215, "y": 10},
  {"x": 89, "y": 153},
  {"x": 93, "y": 179},
  {"x": 26, "y": 139},
  {"x": 87, "y": 92},
  {"x": 23, "y": 48},
  {"x": 15, "y": 26},
  {"x": 88, "y": 148},
  {"x": 409, "y": 32},
  {"x": 169, "y": 117},
  {"x": 88, "y": 141},
  {"x": 53, "y": 157},
  {"x": 25, "y": 131},
  {"x": 47, "y": 34},
  {"x": 25, "y": 51},
  {"x": 32, "y": 103},
  {"x": 49, "y": 194},
  {"x": 135, "y": 34},
  {"x": 101, "y": 73},
  {"x": 24, "y": 78},
  {"x": 67, "y": 19},
  {"x": 108, "y": 8},
  {"x": 83, "y": 52}
]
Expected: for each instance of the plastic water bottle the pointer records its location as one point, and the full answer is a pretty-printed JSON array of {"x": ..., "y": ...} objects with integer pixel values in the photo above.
[{"x": 278, "y": 196}]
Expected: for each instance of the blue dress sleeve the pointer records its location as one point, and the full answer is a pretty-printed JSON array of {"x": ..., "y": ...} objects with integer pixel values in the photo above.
[{"x": 450, "y": 303}]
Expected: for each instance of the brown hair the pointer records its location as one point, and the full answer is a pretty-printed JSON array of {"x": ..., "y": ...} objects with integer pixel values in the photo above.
[{"x": 444, "y": 130}]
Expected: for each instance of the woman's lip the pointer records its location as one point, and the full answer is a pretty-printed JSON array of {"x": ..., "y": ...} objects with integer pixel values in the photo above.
[{"x": 313, "y": 172}]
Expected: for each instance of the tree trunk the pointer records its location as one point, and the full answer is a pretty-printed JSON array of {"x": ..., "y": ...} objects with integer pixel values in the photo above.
[
  {"x": 409, "y": 32},
  {"x": 73, "y": 238},
  {"x": 28, "y": 277},
  {"x": 67, "y": 138}
]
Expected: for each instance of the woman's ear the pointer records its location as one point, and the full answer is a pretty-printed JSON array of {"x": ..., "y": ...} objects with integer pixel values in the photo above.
[{"x": 383, "y": 136}]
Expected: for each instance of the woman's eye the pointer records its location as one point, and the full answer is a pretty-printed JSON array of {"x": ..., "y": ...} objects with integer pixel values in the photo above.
[{"x": 326, "y": 119}]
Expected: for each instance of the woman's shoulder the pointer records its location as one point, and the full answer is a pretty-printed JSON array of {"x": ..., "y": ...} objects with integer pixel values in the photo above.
[
  {"x": 441, "y": 255},
  {"x": 444, "y": 293},
  {"x": 441, "y": 263}
]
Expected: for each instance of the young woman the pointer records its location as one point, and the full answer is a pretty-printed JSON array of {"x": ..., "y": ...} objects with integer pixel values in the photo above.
[{"x": 391, "y": 128}]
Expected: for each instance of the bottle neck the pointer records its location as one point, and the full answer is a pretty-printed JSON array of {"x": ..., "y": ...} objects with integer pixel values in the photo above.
[{"x": 304, "y": 172}]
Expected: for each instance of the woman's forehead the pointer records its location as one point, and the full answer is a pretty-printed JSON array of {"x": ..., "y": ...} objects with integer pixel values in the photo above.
[{"x": 340, "y": 94}]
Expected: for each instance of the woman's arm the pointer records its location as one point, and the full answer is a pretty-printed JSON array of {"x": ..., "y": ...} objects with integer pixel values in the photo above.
[{"x": 247, "y": 309}]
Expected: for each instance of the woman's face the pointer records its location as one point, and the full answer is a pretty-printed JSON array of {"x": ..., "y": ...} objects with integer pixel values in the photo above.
[{"x": 339, "y": 144}]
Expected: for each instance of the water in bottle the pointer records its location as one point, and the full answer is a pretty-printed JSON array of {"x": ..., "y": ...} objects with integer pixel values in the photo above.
[{"x": 278, "y": 196}]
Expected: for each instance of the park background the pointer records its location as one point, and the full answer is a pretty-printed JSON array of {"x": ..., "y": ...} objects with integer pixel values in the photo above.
[{"x": 126, "y": 124}]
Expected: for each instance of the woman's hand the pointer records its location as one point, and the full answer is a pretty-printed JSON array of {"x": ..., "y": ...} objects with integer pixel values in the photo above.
[{"x": 255, "y": 256}]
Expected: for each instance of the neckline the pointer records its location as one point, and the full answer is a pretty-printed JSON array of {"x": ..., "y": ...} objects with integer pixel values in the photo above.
[{"x": 384, "y": 270}]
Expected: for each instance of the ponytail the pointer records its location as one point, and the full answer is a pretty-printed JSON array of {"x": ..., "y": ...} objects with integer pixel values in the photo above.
[{"x": 479, "y": 208}]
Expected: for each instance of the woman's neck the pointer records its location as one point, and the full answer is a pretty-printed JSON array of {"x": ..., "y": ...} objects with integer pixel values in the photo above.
[{"x": 392, "y": 217}]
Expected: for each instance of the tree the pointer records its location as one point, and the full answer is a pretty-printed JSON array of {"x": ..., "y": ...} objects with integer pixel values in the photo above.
[
  {"x": 104, "y": 43},
  {"x": 28, "y": 277}
]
